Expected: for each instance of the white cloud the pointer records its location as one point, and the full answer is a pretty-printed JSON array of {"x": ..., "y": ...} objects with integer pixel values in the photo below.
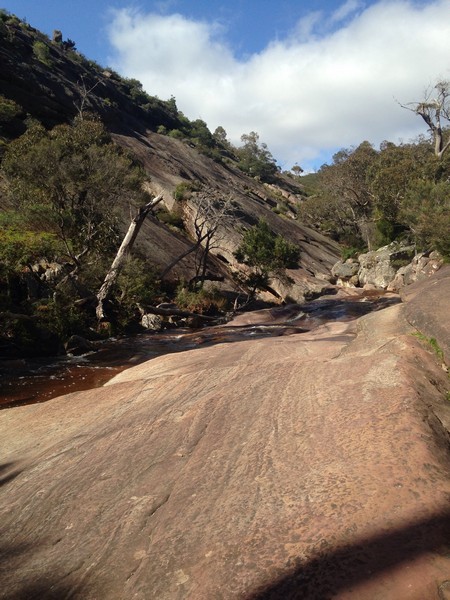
[
  {"x": 307, "y": 95},
  {"x": 345, "y": 10}
]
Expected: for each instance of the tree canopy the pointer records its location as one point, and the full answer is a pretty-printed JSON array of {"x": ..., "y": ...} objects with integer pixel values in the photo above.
[{"x": 266, "y": 253}]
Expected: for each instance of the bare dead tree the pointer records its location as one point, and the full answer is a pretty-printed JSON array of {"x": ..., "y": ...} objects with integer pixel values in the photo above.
[
  {"x": 123, "y": 251},
  {"x": 84, "y": 92},
  {"x": 435, "y": 110},
  {"x": 211, "y": 212}
]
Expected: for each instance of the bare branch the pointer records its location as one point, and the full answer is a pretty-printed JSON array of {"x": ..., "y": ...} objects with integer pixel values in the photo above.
[
  {"x": 85, "y": 93},
  {"x": 434, "y": 109}
]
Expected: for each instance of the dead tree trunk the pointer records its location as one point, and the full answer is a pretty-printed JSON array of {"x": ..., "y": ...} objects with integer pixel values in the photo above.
[{"x": 125, "y": 248}]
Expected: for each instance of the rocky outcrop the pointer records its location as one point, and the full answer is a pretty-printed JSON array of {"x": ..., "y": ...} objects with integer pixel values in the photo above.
[
  {"x": 378, "y": 267},
  {"x": 170, "y": 162},
  {"x": 346, "y": 272},
  {"x": 309, "y": 466},
  {"x": 391, "y": 267},
  {"x": 421, "y": 267}
]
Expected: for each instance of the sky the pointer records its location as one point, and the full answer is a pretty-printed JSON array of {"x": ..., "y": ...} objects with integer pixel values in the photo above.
[{"x": 309, "y": 77}]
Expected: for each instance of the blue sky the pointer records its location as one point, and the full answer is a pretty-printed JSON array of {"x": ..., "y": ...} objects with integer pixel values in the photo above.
[
  {"x": 249, "y": 25},
  {"x": 309, "y": 77}
]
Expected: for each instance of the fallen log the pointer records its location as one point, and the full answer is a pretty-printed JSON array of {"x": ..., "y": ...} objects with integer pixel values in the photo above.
[{"x": 174, "y": 312}]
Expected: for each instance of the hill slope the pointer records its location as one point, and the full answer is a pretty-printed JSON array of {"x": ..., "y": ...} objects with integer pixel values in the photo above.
[{"x": 52, "y": 82}]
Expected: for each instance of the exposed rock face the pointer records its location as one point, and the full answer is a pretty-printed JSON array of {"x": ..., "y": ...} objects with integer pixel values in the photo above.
[
  {"x": 170, "y": 162},
  {"x": 307, "y": 467},
  {"x": 428, "y": 308},
  {"x": 381, "y": 268},
  {"x": 421, "y": 267},
  {"x": 53, "y": 95},
  {"x": 346, "y": 272}
]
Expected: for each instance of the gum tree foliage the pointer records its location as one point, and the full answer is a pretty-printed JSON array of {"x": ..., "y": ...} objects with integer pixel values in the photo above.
[
  {"x": 267, "y": 255},
  {"x": 371, "y": 197},
  {"x": 64, "y": 187},
  {"x": 255, "y": 159},
  {"x": 426, "y": 212},
  {"x": 68, "y": 181},
  {"x": 345, "y": 182}
]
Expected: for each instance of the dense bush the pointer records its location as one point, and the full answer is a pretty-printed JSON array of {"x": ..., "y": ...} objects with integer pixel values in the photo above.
[
  {"x": 42, "y": 52},
  {"x": 266, "y": 254},
  {"x": 368, "y": 197}
]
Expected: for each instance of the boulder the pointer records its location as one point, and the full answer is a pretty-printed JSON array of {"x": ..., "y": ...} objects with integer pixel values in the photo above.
[
  {"x": 379, "y": 267},
  {"x": 78, "y": 345},
  {"x": 152, "y": 322},
  {"x": 421, "y": 267},
  {"x": 346, "y": 272}
]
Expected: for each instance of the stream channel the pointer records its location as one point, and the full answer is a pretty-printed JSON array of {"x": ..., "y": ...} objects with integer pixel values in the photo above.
[{"x": 35, "y": 380}]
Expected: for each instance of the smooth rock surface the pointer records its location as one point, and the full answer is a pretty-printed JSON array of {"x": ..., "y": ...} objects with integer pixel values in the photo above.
[
  {"x": 307, "y": 467},
  {"x": 428, "y": 307}
]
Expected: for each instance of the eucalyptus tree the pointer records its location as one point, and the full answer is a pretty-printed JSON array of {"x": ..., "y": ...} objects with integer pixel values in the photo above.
[
  {"x": 434, "y": 109},
  {"x": 266, "y": 254}
]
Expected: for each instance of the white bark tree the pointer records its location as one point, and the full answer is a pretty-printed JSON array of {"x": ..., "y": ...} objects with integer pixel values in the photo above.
[
  {"x": 435, "y": 110},
  {"x": 122, "y": 252}
]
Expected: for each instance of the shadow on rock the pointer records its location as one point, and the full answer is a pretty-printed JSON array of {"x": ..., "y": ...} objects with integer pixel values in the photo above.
[
  {"x": 6, "y": 474},
  {"x": 330, "y": 573},
  {"x": 41, "y": 589}
]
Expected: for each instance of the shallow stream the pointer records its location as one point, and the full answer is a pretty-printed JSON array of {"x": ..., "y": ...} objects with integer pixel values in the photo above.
[{"x": 37, "y": 380}]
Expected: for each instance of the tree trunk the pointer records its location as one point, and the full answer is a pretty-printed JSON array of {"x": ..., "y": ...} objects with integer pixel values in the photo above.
[{"x": 125, "y": 248}]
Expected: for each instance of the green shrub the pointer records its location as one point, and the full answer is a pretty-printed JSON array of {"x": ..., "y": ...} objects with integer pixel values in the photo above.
[
  {"x": 4, "y": 15},
  {"x": 177, "y": 134},
  {"x": 202, "y": 301},
  {"x": 61, "y": 316},
  {"x": 8, "y": 110},
  {"x": 266, "y": 253},
  {"x": 19, "y": 248},
  {"x": 432, "y": 342},
  {"x": 172, "y": 218},
  {"x": 350, "y": 252},
  {"x": 42, "y": 52},
  {"x": 184, "y": 189}
]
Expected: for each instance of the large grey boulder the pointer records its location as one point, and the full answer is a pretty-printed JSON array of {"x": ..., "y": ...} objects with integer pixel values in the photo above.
[
  {"x": 346, "y": 272},
  {"x": 421, "y": 267},
  {"x": 379, "y": 267}
]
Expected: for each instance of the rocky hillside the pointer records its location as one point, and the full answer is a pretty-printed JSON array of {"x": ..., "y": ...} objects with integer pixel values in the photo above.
[{"x": 52, "y": 82}]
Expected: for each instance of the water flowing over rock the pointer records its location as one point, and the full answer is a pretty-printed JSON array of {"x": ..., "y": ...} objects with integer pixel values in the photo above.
[{"x": 310, "y": 466}]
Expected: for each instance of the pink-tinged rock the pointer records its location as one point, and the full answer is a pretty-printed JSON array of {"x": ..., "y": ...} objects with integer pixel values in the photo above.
[
  {"x": 307, "y": 467},
  {"x": 428, "y": 307}
]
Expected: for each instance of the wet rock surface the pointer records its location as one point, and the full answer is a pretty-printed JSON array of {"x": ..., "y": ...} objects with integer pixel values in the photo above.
[{"x": 307, "y": 467}]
